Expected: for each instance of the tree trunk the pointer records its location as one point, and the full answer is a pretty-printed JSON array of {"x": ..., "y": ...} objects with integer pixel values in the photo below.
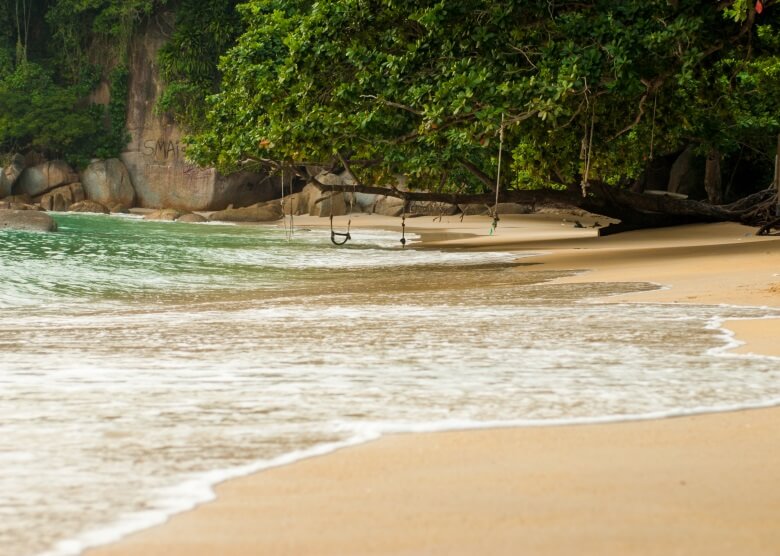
[
  {"x": 712, "y": 177},
  {"x": 777, "y": 178},
  {"x": 634, "y": 210}
]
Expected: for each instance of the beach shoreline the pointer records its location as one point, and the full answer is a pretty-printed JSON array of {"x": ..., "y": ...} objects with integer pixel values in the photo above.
[{"x": 698, "y": 484}]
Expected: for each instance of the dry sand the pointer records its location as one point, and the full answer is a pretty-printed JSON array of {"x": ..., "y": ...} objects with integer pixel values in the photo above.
[{"x": 696, "y": 485}]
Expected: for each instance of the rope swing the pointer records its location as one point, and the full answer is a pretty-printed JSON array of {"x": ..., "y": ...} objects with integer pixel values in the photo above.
[
  {"x": 403, "y": 225},
  {"x": 652, "y": 130},
  {"x": 344, "y": 235},
  {"x": 588, "y": 143},
  {"x": 289, "y": 232},
  {"x": 498, "y": 175}
]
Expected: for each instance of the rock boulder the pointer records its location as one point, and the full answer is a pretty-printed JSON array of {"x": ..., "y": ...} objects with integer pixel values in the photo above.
[
  {"x": 42, "y": 178},
  {"x": 475, "y": 209},
  {"x": 389, "y": 206},
  {"x": 155, "y": 156},
  {"x": 61, "y": 198},
  {"x": 261, "y": 212},
  {"x": 27, "y": 221},
  {"x": 108, "y": 183},
  {"x": 10, "y": 174},
  {"x": 426, "y": 208},
  {"x": 687, "y": 175},
  {"x": 192, "y": 218},
  {"x": 88, "y": 206},
  {"x": 166, "y": 215}
]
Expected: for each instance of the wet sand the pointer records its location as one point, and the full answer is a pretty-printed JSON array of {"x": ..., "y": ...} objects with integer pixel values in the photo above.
[{"x": 707, "y": 484}]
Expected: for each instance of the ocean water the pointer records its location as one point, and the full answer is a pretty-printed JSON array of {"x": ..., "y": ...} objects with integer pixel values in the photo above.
[{"x": 142, "y": 362}]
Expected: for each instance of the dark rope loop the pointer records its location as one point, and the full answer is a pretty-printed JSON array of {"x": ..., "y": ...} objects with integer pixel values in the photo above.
[{"x": 334, "y": 235}]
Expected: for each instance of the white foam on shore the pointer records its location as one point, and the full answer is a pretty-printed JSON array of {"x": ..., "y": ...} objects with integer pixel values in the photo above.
[
  {"x": 184, "y": 497},
  {"x": 167, "y": 352},
  {"x": 729, "y": 337},
  {"x": 199, "y": 489}
]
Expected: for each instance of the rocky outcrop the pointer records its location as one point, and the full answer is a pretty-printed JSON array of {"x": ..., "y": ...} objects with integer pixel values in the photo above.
[
  {"x": 515, "y": 208},
  {"x": 422, "y": 208},
  {"x": 389, "y": 206},
  {"x": 296, "y": 204},
  {"x": 26, "y": 221},
  {"x": 687, "y": 175},
  {"x": 108, "y": 182},
  {"x": 9, "y": 204},
  {"x": 61, "y": 198},
  {"x": 192, "y": 218},
  {"x": 166, "y": 215},
  {"x": 10, "y": 174},
  {"x": 261, "y": 212},
  {"x": 474, "y": 209},
  {"x": 88, "y": 206},
  {"x": 44, "y": 177},
  {"x": 155, "y": 160},
  {"x": 118, "y": 208}
]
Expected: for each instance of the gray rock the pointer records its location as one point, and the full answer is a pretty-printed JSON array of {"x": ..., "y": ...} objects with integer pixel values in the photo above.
[
  {"x": 61, "y": 198},
  {"x": 14, "y": 205},
  {"x": 14, "y": 168},
  {"x": 474, "y": 209},
  {"x": 687, "y": 175},
  {"x": 297, "y": 204},
  {"x": 88, "y": 206},
  {"x": 25, "y": 199},
  {"x": 389, "y": 206},
  {"x": 515, "y": 208},
  {"x": 118, "y": 208},
  {"x": 166, "y": 215},
  {"x": 366, "y": 201},
  {"x": 42, "y": 178},
  {"x": 261, "y": 212},
  {"x": 108, "y": 182},
  {"x": 324, "y": 202},
  {"x": 10, "y": 174},
  {"x": 155, "y": 156},
  {"x": 430, "y": 208},
  {"x": 27, "y": 221},
  {"x": 192, "y": 218}
]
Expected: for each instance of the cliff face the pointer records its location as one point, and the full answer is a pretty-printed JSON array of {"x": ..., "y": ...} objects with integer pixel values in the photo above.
[{"x": 155, "y": 155}]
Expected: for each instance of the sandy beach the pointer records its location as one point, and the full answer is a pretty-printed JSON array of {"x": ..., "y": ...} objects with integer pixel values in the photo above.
[{"x": 707, "y": 484}]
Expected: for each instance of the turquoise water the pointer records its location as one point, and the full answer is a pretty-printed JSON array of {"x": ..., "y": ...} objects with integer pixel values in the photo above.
[{"x": 142, "y": 362}]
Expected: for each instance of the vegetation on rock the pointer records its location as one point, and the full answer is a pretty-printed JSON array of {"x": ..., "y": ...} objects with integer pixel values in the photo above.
[{"x": 53, "y": 53}]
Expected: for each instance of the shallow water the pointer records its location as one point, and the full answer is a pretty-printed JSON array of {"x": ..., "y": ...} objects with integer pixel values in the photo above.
[{"x": 141, "y": 362}]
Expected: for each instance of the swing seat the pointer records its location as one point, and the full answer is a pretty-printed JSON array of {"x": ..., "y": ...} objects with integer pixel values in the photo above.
[{"x": 334, "y": 235}]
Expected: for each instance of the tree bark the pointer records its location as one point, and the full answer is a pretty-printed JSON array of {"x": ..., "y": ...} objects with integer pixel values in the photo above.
[
  {"x": 634, "y": 210},
  {"x": 777, "y": 178}
]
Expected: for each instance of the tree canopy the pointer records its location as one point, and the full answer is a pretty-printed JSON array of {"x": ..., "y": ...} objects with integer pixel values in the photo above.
[{"x": 587, "y": 91}]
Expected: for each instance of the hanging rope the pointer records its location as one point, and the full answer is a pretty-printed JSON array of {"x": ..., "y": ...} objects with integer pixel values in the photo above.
[
  {"x": 498, "y": 175},
  {"x": 403, "y": 225},
  {"x": 334, "y": 234},
  {"x": 588, "y": 153},
  {"x": 652, "y": 129},
  {"x": 288, "y": 231}
]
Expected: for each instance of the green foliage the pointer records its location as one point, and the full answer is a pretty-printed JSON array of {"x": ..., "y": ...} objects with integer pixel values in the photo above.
[
  {"x": 419, "y": 87},
  {"x": 36, "y": 113},
  {"x": 188, "y": 62},
  {"x": 76, "y": 25},
  {"x": 115, "y": 136},
  {"x": 44, "y": 91}
]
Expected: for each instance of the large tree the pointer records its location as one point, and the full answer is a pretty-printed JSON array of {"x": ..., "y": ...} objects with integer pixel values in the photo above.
[{"x": 586, "y": 93}]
